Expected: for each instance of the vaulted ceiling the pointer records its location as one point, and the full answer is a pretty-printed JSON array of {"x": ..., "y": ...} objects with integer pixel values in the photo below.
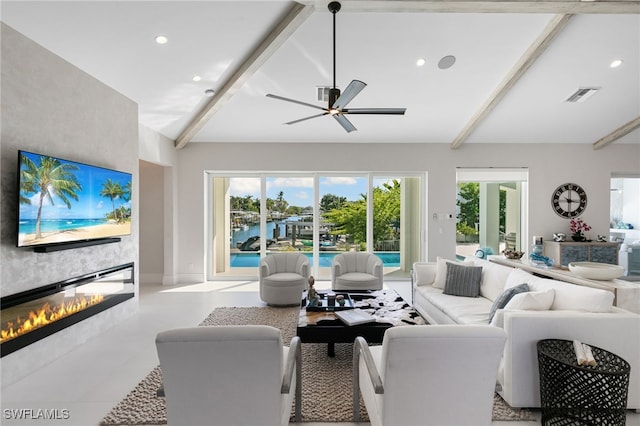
[{"x": 515, "y": 65}]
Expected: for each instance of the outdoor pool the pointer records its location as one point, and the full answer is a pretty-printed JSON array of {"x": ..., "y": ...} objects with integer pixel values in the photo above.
[{"x": 252, "y": 259}]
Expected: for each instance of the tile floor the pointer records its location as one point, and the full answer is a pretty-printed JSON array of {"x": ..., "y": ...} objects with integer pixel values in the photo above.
[{"x": 91, "y": 379}]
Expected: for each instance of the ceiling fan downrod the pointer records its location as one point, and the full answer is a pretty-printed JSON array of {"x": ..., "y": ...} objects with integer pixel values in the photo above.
[{"x": 334, "y": 93}]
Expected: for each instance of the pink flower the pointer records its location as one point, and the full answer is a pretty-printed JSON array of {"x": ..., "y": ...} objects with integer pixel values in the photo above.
[{"x": 576, "y": 226}]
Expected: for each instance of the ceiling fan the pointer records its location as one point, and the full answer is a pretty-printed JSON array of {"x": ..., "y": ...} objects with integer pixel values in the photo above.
[{"x": 338, "y": 101}]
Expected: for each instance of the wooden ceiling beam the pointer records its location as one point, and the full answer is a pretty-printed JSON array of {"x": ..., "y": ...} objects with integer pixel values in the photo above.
[
  {"x": 617, "y": 134},
  {"x": 537, "y": 48},
  {"x": 486, "y": 6},
  {"x": 296, "y": 15}
]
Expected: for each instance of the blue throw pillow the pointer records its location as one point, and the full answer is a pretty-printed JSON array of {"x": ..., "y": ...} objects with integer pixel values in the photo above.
[{"x": 502, "y": 300}]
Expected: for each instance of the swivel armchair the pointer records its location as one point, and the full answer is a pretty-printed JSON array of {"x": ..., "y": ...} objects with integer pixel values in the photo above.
[
  {"x": 283, "y": 278},
  {"x": 442, "y": 375},
  {"x": 356, "y": 271},
  {"x": 229, "y": 375}
]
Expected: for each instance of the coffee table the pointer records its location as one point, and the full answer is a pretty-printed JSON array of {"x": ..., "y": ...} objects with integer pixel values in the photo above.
[{"x": 324, "y": 327}]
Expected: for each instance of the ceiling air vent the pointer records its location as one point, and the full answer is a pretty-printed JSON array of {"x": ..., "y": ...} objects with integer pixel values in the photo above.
[{"x": 582, "y": 94}]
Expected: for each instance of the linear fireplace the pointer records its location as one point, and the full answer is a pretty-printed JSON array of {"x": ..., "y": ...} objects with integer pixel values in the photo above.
[{"x": 32, "y": 315}]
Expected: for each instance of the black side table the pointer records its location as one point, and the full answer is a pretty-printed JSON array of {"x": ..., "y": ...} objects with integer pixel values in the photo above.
[{"x": 572, "y": 394}]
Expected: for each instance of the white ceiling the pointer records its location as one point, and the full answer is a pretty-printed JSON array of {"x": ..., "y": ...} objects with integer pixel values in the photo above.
[{"x": 114, "y": 41}]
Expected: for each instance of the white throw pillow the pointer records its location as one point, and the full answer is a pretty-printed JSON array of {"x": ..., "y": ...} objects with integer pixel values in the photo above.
[
  {"x": 441, "y": 270},
  {"x": 532, "y": 301}
]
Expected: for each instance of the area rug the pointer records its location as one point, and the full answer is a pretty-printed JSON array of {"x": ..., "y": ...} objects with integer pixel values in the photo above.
[{"x": 326, "y": 389}]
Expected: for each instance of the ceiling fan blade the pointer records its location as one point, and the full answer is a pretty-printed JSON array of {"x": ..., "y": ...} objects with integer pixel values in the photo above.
[
  {"x": 349, "y": 93},
  {"x": 269, "y": 95},
  {"x": 387, "y": 111},
  {"x": 346, "y": 124},
  {"x": 307, "y": 118}
]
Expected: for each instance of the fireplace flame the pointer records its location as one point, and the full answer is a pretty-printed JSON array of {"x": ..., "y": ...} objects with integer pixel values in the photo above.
[{"x": 46, "y": 315}]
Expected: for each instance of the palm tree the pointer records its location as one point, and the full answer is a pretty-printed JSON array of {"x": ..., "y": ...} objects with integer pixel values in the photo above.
[
  {"x": 112, "y": 190},
  {"x": 27, "y": 180},
  {"x": 49, "y": 178},
  {"x": 126, "y": 196}
]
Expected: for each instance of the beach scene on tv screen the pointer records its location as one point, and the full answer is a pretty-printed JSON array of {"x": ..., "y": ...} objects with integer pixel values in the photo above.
[{"x": 63, "y": 201}]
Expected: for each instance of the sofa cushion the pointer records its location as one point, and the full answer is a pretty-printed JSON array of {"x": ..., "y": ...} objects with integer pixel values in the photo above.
[
  {"x": 463, "y": 280},
  {"x": 441, "y": 270},
  {"x": 532, "y": 301},
  {"x": 504, "y": 298},
  {"x": 462, "y": 310},
  {"x": 424, "y": 274},
  {"x": 579, "y": 298},
  {"x": 516, "y": 277},
  {"x": 358, "y": 280},
  {"x": 494, "y": 277},
  {"x": 285, "y": 279}
]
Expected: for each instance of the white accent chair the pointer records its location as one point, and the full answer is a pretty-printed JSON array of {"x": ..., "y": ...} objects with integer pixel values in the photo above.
[
  {"x": 429, "y": 375},
  {"x": 229, "y": 375},
  {"x": 356, "y": 271},
  {"x": 283, "y": 278}
]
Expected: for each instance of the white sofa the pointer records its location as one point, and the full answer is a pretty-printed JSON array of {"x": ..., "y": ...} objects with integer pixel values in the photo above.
[{"x": 550, "y": 309}]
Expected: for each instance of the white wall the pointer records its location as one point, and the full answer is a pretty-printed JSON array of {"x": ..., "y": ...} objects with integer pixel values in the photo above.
[
  {"x": 160, "y": 150},
  {"x": 549, "y": 166},
  {"x": 152, "y": 224},
  {"x": 52, "y": 107}
]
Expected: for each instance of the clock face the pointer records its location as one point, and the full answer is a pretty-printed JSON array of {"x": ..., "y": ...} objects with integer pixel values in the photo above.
[{"x": 569, "y": 200}]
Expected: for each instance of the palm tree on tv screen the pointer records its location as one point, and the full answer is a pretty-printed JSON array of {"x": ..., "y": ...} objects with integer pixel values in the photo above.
[
  {"x": 50, "y": 177},
  {"x": 126, "y": 196},
  {"x": 112, "y": 190}
]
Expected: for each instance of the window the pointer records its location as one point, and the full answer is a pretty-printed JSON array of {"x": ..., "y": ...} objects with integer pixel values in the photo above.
[{"x": 320, "y": 215}]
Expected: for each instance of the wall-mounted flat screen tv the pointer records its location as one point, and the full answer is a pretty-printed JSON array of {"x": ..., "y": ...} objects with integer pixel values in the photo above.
[{"x": 62, "y": 201}]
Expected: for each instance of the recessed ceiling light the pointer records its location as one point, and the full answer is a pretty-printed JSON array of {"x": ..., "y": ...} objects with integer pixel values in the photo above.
[
  {"x": 616, "y": 63},
  {"x": 420, "y": 62},
  {"x": 209, "y": 92},
  {"x": 161, "y": 39},
  {"x": 196, "y": 78}
]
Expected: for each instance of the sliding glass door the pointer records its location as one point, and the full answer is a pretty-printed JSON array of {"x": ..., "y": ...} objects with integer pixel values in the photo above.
[
  {"x": 342, "y": 206},
  {"x": 319, "y": 215}
]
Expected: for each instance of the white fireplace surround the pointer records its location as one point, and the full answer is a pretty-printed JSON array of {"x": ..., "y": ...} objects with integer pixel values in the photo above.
[{"x": 51, "y": 107}]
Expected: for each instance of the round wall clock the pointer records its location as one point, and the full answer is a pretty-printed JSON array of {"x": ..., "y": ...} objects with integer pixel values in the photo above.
[{"x": 569, "y": 200}]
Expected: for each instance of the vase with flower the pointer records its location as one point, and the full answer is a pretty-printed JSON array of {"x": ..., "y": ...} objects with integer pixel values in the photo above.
[{"x": 577, "y": 228}]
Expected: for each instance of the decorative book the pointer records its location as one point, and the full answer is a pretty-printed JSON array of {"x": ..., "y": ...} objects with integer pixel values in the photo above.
[{"x": 355, "y": 317}]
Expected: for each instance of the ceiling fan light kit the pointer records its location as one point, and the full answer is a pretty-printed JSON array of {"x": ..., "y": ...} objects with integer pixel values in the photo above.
[{"x": 337, "y": 100}]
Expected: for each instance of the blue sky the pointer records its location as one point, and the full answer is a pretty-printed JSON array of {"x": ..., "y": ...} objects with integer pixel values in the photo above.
[
  {"x": 298, "y": 191},
  {"x": 90, "y": 204}
]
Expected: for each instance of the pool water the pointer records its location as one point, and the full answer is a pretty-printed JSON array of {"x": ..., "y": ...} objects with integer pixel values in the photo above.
[{"x": 252, "y": 259}]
